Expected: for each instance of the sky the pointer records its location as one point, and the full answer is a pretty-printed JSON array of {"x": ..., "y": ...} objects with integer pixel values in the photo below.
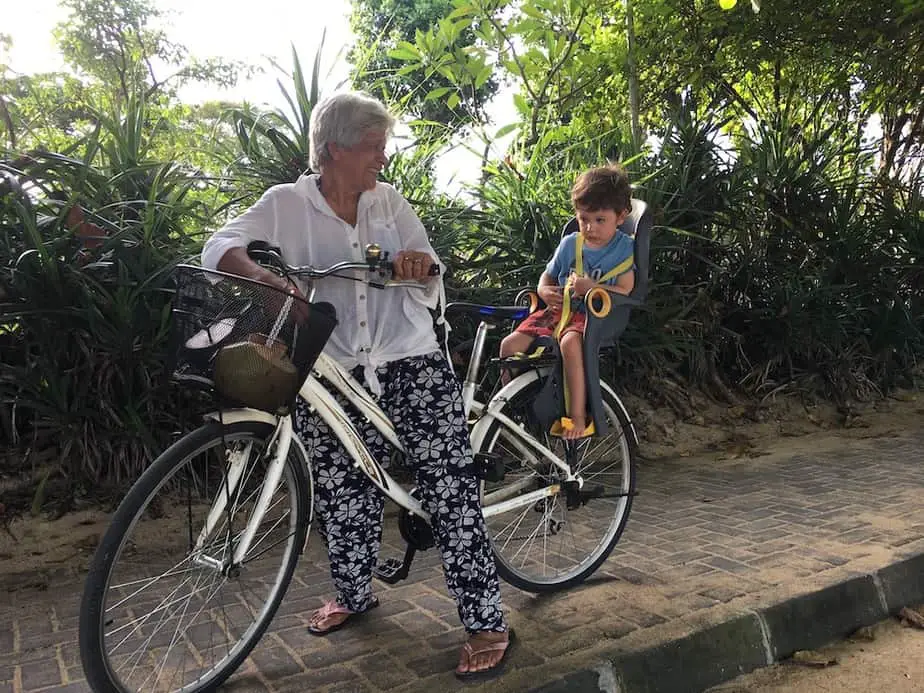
[{"x": 210, "y": 28}]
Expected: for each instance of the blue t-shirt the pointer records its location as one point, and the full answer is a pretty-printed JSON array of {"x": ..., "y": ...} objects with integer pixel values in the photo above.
[{"x": 596, "y": 262}]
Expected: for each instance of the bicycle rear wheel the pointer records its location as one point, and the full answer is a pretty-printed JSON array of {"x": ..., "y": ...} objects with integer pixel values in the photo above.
[
  {"x": 160, "y": 615},
  {"x": 544, "y": 546}
]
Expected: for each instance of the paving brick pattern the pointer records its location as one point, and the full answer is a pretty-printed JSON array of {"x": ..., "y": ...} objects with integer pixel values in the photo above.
[{"x": 701, "y": 537}]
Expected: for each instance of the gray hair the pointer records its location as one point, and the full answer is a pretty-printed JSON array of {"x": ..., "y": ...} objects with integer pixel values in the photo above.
[{"x": 343, "y": 119}]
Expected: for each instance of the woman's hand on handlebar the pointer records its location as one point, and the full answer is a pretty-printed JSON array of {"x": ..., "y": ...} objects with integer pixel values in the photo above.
[
  {"x": 287, "y": 286},
  {"x": 413, "y": 265},
  {"x": 236, "y": 261}
]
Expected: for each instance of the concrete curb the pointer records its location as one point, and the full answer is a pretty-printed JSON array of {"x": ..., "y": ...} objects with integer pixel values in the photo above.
[{"x": 753, "y": 639}]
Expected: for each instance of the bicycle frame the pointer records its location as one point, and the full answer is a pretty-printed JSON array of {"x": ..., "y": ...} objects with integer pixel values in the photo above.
[
  {"x": 321, "y": 401},
  {"x": 491, "y": 411}
]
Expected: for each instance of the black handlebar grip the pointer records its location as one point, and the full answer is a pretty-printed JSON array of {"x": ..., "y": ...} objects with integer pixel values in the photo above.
[
  {"x": 432, "y": 272},
  {"x": 265, "y": 254},
  {"x": 264, "y": 246}
]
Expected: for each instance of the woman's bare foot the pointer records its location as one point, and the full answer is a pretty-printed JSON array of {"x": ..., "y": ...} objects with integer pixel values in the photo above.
[
  {"x": 484, "y": 651},
  {"x": 328, "y": 617},
  {"x": 332, "y": 616}
]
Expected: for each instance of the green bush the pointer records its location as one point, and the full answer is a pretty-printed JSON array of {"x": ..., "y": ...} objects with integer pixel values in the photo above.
[
  {"x": 89, "y": 243},
  {"x": 779, "y": 260}
]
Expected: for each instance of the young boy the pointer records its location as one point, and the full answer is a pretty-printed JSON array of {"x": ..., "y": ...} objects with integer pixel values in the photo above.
[{"x": 602, "y": 201}]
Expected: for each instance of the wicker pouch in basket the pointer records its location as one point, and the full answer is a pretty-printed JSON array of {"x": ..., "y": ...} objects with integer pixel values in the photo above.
[{"x": 257, "y": 373}]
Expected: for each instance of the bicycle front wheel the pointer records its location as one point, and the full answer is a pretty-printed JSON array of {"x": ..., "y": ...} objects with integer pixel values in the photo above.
[
  {"x": 165, "y": 608},
  {"x": 545, "y": 546}
]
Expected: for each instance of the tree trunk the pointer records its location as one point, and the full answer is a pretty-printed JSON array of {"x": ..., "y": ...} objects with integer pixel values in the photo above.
[
  {"x": 633, "y": 77},
  {"x": 892, "y": 125}
]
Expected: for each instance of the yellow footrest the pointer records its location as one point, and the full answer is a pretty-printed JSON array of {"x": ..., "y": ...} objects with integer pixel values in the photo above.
[{"x": 565, "y": 424}]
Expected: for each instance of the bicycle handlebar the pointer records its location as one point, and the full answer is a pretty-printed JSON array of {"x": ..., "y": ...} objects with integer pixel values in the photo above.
[{"x": 377, "y": 261}]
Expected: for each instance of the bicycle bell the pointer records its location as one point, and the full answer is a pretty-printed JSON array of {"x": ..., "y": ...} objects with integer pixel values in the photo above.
[{"x": 373, "y": 253}]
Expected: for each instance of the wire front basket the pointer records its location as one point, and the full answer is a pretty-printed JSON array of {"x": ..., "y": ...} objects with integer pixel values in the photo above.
[{"x": 249, "y": 342}]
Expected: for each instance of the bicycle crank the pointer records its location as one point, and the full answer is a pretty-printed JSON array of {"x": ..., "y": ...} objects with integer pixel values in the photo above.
[{"x": 418, "y": 535}]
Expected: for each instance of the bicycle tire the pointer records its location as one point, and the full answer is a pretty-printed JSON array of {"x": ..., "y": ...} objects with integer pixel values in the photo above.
[
  {"x": 99, "y": 664},
  {"x": 521, "y": 571}
]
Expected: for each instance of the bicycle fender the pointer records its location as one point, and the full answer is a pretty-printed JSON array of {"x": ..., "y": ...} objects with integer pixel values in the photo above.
[
  {"x": 633, "y": 434},
  {"x": 480, "y": 429},
  {"x": 232, "y": 416}
]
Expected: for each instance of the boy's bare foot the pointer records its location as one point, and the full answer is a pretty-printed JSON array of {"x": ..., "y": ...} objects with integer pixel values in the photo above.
[
  {"x": 483, "y": 652},
  {"x": 578, "y": 428}
]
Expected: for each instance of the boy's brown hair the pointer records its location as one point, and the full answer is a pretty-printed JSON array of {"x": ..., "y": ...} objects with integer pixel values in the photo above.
[{"x": 603, "y": 187}]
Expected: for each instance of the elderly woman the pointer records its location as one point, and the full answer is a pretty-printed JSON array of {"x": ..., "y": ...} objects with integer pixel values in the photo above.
[{"x": 387, "y": 339}]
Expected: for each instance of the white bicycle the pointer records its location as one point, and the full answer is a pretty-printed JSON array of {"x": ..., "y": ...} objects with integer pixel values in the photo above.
[{"x": 200, "y": 552}]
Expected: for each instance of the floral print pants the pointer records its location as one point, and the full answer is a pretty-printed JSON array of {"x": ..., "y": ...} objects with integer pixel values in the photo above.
[{"x": 423, "y": 399}]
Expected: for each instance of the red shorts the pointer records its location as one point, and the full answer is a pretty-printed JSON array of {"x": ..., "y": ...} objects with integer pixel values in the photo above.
[{"x": 543, "y": 322}]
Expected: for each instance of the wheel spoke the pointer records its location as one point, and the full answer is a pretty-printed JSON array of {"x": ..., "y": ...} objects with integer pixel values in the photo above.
[
  {"x": 170, "y": 572},
  {"x": 171, "y": 619},
  {"x": 165, "y": 605},
  {"x": 547, "y": 546}
]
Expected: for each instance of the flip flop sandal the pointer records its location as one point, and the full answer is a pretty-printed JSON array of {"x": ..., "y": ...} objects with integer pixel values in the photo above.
[
  {"x": 332, "y": 608},
  {"x": 497, "y": 669}
]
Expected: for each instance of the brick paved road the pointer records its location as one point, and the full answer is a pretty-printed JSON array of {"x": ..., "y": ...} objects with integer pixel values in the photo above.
[{"x": 705, "y": 538}]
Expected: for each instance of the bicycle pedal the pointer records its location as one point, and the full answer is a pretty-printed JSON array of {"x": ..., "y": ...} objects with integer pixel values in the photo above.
[
  {"x": 572, "y": 495},
  {"x": 390, "y": 571},
  {"x": 393, "y": 571}
]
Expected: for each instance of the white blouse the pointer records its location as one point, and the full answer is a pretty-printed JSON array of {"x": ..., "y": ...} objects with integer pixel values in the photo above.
[{"x": 375, "y": 326}]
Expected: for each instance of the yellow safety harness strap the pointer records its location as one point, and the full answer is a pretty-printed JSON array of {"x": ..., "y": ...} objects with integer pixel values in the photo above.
[{"x": 622, "y": 267}]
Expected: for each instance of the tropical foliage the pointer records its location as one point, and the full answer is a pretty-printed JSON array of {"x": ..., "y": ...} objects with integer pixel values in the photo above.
[
  {"x": 781, "y": 153},
  {"x": 384, "y": 30}
]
